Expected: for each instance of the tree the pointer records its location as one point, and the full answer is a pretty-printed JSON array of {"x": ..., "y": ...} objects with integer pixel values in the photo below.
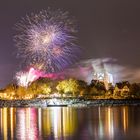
[
  {"x": 97, "y": 88},
  {"x": 69, "y": 86},
  {"x": 21, "y": 92},
  {"x": 135, "y": 89},
  {"x": 40, "y": 86},
  {"x": 11, "y": 87},
  {"x": 98, "y": 85}
]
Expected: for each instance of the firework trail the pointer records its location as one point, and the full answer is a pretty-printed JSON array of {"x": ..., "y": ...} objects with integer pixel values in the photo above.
[
  {"x": 24, "y": 79},
  {"x": 46, "y": 40}
]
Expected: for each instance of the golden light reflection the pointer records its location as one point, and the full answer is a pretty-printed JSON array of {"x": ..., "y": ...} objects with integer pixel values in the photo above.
[
  {"x": 125, "y": 118},
  {"x": 110, "y": 119},
  {"x": 7, "y": 121},
  {"x": 106, "y": 122},
  {"x": 110, "y": 122},
  {"x": 33, "y": 123},
  {"x": 62, "y": 122},
  {"x": 12, "y": 122}
]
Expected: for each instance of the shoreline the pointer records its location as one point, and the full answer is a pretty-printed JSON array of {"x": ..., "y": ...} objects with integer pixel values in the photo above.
[{"x": 69, "y": 102}]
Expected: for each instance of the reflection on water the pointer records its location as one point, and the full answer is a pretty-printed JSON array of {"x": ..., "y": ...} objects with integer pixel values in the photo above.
[{"x": 66, "y": 123}]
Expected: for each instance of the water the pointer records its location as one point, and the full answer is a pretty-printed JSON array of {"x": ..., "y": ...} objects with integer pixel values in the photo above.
[{"x": 65, "y": 123}]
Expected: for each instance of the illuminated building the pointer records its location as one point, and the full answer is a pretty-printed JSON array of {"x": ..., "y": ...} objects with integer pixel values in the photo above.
[{"x": 103, "y": 77}]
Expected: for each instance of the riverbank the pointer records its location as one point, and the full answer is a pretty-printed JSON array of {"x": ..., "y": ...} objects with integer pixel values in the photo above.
[{"x": 68, "y": 102}]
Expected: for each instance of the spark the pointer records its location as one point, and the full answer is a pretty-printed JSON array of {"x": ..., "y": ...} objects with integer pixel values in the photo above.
[
  {"x": 26, "y": 78},
  {"x": 46, "y": 40}
]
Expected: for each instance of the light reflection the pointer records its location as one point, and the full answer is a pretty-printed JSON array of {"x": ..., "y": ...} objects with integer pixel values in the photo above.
[
  {"x": 5, "y": 123},
  {"x": 27, "y": 124},
  {"x": 40, "y": 122},
  {"x": 64, "y": 123},
  {"x": 12, "y": 122},
  {"x": 59, "y": 122},
  {"x": 110, "y": 119},
  {"x": 125, "y": 118},
  {"x": 33, "y": 123},
  {"x": 21, "y": 129},
  {"x": 110, "y": 123}
]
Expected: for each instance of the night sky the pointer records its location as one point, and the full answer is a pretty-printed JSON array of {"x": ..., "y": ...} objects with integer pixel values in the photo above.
[{"x": 107, "y": 28}]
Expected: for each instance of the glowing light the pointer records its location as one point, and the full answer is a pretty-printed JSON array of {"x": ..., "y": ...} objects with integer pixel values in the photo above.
[
  {"x": 12, "y": 122},
  {"x": 5, "y": 123},
  {"x": 27, "y": 122},
  {"x": 56, "y": 119},
  {"x": 25, "y": 78},
  {"x": 104, "y": 77},
  {"x": 45, "y": 40},
  {"x": 125, "y": 118},
  {"x": 21, "y": 127},
  {"x": 110, "y": 123},
  {"x": 32, "y": 123}
]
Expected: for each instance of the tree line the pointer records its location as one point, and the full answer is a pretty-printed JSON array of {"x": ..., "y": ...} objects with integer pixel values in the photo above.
[{"x": 74, "y": 88}]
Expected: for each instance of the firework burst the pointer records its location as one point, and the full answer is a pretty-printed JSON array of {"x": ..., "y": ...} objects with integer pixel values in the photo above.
[
  {"x": 46, "y": 40},
  {"x": 25, "y": 78}
]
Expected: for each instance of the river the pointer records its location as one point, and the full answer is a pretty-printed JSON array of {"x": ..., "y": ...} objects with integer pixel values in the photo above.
[{"x": 69, "y": 123}]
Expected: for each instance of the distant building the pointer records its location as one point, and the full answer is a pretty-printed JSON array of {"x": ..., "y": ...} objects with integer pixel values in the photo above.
[
  {"x": 105, "y": 77},
  {"x": 121, "y": 89}
]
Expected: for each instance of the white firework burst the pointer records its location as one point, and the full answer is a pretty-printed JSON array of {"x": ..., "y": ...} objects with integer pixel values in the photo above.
[
  {"x": 25, "y": 78},
  {"x": 45, "y": 40}
]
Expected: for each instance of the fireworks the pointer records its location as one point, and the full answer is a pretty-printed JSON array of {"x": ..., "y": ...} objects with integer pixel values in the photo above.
[
  {"x": 25, "y": 78},
  {"x": 45, "y": 40}
]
